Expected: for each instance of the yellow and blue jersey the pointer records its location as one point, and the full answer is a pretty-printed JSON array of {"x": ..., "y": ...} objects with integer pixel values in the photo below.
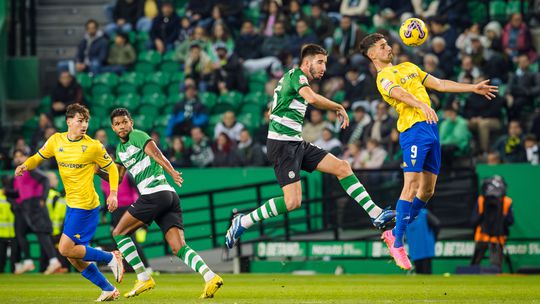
[
  {"x": 76, "y": 162},
  {"x": 411, "y": 78}
]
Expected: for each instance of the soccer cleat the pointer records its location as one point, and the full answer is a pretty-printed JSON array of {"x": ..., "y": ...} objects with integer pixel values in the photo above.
[
  {"x": 117, "y": 266},
  {"x": 212, "y": 287},
  {"x": 234, "y": 232},
  {"x": 53, "y": 267},
  {"x": 140, "y": 287},
  {"x": 108, "y": 295},
  {"x": 386, "y": 217},
  {"x": 27, "y": 266},
  {"x": 398, "y": 254}
]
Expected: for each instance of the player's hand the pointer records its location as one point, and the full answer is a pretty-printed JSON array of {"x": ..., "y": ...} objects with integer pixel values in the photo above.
[
  {"x": 112, "y": 201},
  {"x": 343, "y": 117},
  {"x": 431, "y": 116},
  {"x": 177, "y": 177},
  {"x": 483, "y": 88},
  {"x": 20, "y": 170}
]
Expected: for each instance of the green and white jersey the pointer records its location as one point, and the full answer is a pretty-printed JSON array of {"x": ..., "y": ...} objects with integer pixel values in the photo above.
[
  {"x": 288, "y": 107},
  {"x": 148, "y": 174}
]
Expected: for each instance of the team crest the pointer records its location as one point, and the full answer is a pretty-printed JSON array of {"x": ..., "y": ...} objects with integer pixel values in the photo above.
[
  {"x": 302, "y": 79},
  {"x": 84, "y": 148},
  {"x": 291, "y": 174},
  {"x": 61, "y": 149}
]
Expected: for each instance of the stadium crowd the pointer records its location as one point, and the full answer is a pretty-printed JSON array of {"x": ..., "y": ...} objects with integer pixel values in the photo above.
[{"x": 212, "y": 50}]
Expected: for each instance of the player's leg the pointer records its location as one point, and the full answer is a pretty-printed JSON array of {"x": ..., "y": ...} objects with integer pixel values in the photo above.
[
  {"x": 426, "y": 189},
  {"x": 122, "y": 236},
  {"x": 91, "y": 272},
  {"x": 350, "y": 183}
]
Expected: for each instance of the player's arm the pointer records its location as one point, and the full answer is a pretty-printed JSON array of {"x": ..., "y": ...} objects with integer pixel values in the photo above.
[
  {"x": 153, "y": 151},
  {"x": 104, "y": 175},
  {"x": 324, "y": 103},
  {"x": 402, "y": 95},
  {"x": 47, "y": 151},
  {"x": 444, "y": 85}
]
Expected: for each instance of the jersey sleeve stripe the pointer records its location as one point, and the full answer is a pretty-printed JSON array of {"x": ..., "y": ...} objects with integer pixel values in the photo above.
[
  {"x": 42, "y": 155},
  {"x": 390, "y": 91},
  {"x": 107, "y": 165},
  {"x": 423, "y": 80}
]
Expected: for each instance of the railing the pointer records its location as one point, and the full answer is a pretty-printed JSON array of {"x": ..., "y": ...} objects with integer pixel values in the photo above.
[{"x": 22, "y": 28}]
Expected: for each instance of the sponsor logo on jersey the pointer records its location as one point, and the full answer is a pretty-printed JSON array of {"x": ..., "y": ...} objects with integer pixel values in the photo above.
[
  {"x": 410, "y": 76},
  {"x": 386, "y": 84},
  {"x": 71, "y": 166},
  {"x": 302, "y": 79}
]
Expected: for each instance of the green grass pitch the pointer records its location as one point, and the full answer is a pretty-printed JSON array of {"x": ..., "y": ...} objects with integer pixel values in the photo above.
[{"x": 270, "y": 288}]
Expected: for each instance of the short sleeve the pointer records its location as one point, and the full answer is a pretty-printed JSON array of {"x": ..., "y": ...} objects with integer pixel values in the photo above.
[
  {"x": 386, "y": 82},
  {"x": 101, "y": 157},
  {"x": 298, "y": 80},
  {"x": 423, "y": 75},
  {"x": 140, "y": 138},
  {"x": 47, "y": 151}
]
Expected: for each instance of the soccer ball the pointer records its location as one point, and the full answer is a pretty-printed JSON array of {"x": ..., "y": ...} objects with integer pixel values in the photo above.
[{"x": 413, "y": 32}]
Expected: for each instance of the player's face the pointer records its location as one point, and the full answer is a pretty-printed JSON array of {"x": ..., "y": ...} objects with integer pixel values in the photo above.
[
  {"x": 78, "y": 125},
  {"x": 382, "y": 51},
  {"x": 317, "y": 66},
  {"x": 122, "y": 126}
]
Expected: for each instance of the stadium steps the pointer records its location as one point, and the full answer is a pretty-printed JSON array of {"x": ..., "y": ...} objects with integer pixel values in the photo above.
[{"x": 60, "y": 27}]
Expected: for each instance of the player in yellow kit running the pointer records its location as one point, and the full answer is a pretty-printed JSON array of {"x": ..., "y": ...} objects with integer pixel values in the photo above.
[
  {"x": 77, "y": 154},
  {"x": 403, "y": 86}
]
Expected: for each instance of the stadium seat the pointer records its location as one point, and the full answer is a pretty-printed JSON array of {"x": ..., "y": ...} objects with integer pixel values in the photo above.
[
  {"x": 104, "y": 84},
  {"x": 229, "y": 101},
  {"x": 162, "y": 120},
  {"x": 148, "y": 110},
  {"x": 60, "y": 123},
  {"x": 258, "y": 98},
  {"x": 155, "y": 83},
  {"x": 141, "y": 41},
  {"x": 251, "y": 121},
  {"x": 94, "y": 124},
  {"x": 132, "y": 78},
  {"x": 98, "y": 113},
  {"x": 251, "y": 108},
  {"x": 155, "y": 100},
  {"x": 45, "y": 104},
  {"x": 144, "y": 122},
  {"x": 169, "y": 65},
  {"x": 105, "y": 101},
  {"x": 497, "y": 10},
  {"x": 339, "y": 96},
  {"x": 514, "y": 6},
  {"x": 175, "y": 98},
  {"x": 177, "y": 76},
  {"x": 144, "y": 67},
  {"x": 173, "y": 88},
  {"x": 147, "y": 61},
  {"x": 84, "y": 80},
  {"x": 30, "y": 126},
  {"x": 478, "y": 11},
  {"x": 129, "y": 101},
  {"x": 167, "y": 109},
  {"x": 209, "y": 99},
  {"x": 257, "y": 81}
]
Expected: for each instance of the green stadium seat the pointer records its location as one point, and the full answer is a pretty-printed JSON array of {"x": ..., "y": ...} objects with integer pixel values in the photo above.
[
  {"x": 129, "y": 101},
  {"x": 84, "y": 80},
  {"x": 173, "y": 89},
  {"x": 162, "y": 120},
  {"x": 94, "y": 124},
  {"x": 252, "y": 121},
  {"x": 478, "y": 11},
  {"x": 125, "y": 88},
  {"x": 98, "y": 113},
  {"x": 175, "y": 98},
  {"x": 30, "y": 126},
  {"x": 133, "y": 78},
  {"x": 45, "y": 105},
  {"x": 154, "y": 100},
  {"x": 60, "y": 123},
  {"x": 209, "y": 99},
  {"x": 232, "y": 98},
  {"x": 148, "y": 110},
  {"x": 497, "y": 10},
  {"x": 258, "y": 98},
  {"x": 514, "y": 6},
  {"x": 104, "y": 84},
  {"x": 251, "y": 108},
  {"x": 177, "y": 77},
  {"x": 144, "y": 122},
  {"x": 105, "y": 101},
  {"x": 252, "y": 14},
  {"x": 167, "y": 109},
  {"x": 339, "y": 96},
  {"x": 151, "y": 56},
  {"x": 144, "y": 67},
  {"x": 155, "y": 83},
  {"x": 168, "y": 64}
]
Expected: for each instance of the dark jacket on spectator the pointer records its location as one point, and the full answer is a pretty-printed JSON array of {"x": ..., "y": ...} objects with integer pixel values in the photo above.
[
  {"x": 386, "y": 125},
  {"x": 91, "y": 49},
  {"x": 186, "y": 115},
  {"x": 165, "y": 28},
  {"x": 251, "y": 154},
  {"x": 131, "y": 12},
  {"x": 203, "y": 8},
  {"x": 274, "y": 45},
  {"x": 249, "y": 46},
  {"x": 511, "y": 149},
  {"x": 477, "y": 106},
  {"x": 296, "y": 42},
  {"x": 70, "y": 95},
  {"x": 323, "y": 27}
]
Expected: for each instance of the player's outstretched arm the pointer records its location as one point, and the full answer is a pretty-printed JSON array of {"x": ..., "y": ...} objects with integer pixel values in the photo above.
[
  {"x": 30, "y": 164},
  {"x": 444, "y": 85},
  {"x": 402, "y": 95},
  {"x": 153, "y": 151},
  {"x": 324, "y": 103},
  {"x": 104, "y": 174}
]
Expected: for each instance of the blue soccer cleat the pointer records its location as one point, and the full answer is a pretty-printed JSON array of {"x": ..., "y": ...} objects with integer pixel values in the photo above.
[
  {"x": 234, "y": 232},
  {"x": 386, "y": 217}
]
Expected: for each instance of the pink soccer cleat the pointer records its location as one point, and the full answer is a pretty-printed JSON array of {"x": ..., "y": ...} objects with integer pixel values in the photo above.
[{"x": 399, "y": 254}]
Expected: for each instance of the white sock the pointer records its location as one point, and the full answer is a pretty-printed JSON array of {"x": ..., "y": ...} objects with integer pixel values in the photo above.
[
  {"x": 28, "y": 262},
  {"x": 143, "y": 276},
  {"x": 209, "y": 275},
  {"x": 54, "y": 260}
]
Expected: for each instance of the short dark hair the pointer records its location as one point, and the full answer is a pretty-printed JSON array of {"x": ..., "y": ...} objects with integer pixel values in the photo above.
[
  {"x": 368, "y": 42},
  {"x": 120, "y": 112},
  {"x": 90, "y": 21},
  {"x": 312, "y": 50},
  {"x": 77, "y": 108}
]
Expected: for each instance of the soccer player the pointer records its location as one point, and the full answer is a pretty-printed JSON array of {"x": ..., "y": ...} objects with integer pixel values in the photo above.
[
  {"x": 289, "y": 153},
  {"x": 404, "y": 87},
  {"x": 158, "y": 202},
  {"x": 77, "y": 154}
]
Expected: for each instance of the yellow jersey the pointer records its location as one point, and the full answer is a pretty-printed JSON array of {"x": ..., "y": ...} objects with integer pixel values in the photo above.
[
  {"x": 76, "y": 162},
  {"x": 411, "y": 78}
]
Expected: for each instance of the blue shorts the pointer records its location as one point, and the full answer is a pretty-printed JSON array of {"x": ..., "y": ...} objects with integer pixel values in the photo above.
[
  {"x": 80, "y": 225},
  {"x": 421, "y": 148}
]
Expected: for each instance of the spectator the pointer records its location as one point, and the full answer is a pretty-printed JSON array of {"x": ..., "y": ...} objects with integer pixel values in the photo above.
[
  {"x": 523, "y": 88},
  {"x": 464, "y": 42},
  {"x": 165, "y": 28},
  {"x": 357, "y": 9},
  {"x": 178, "y": 154},
  {"x": 126, "y": 13},
  {"x": 294, "y": 15},
  {"x": 313, "y": 129},
  {"x": 302, "y": 36},
  {"x": 7, "y": 229},
  {"x": 186, "y": 30},
  {"x": 225, "y": 154},
  {"x": 220, "y": 36},
  {"x": 493, "y": 32},
  {"x": 381, "y": 126},
  {"x": 228, "y": 74},
  {"x": 328, "y": 142},
  {"x": 431, "y": 66},
  {"x": 468, "y": 68},
  {"x": 121, "y": 55},
  {"x": 200, "y": 152},
  {"x": 421, "y": 236},
  {"x": 274, "y": 45},
  {"x": 347, "y": 37},
  {"x": 45, "y": 121},
  {"x": 446, "y": 59},
  {"x": 352, "y": 155},
  {"x": 231, "y": 11},
  {"x": 272, "y": 16},
  {"x": 390, "y": 12},
  {"x": 67, "y": 91},
  {"x": 262, "y": 133},
  {"x": 516, "y": 38},
  {"x": 322, "y": 25},
  {"x": 493, "y": 158},
  {"x": 532, "y": 149},
  {"x": 31, "y": 214},
  {"x": 198, "y": 66},
  {"x": 199, "y": 12},
  {"x": 183, "y": 49},
  {"x": 440, "y": 28},
  {"x": 91, "y": 51},
  {"x": 250, "y": 153},
  {"x": 156, "y": 137},
  {"x": 373, "y": 156},
  {"x": 357, "y": 127},
  {"x": 511, "y": 146},
  {"x": 492, "y": 218},
  {"x": 248, "y": 45},
  {"x": 454, "y": 136},
  {"x": 229, "y": 126},
  {"x": 358, "y": 87},
  {"x": 151, "y": 11},
  {"x": 102, "y": 137},
  {"x": 535, "y": 127},
  {"x": 497, "y": 64},
  {"x": 20, "y": 144},
  {"x": 424, "y": 9},
  {"x": 188, "y": 113}
]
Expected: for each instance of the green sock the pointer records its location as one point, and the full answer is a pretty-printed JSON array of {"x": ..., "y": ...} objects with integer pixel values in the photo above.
[
  {"x": 129, "y": 251},
  {"x": 271, "y": 208},
  {"x": 356, "y": 190},
  {"x": 193, "y": 260}
]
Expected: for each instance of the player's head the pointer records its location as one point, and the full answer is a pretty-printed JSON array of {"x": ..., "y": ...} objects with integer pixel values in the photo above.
[
  {"x": 77, "y": 117},
  {"x": 313, "y": 57},
  {"x": 19, "y": 156},
  {"x": 376, "y": 48},
  {"x": 121, "y": 122}
]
